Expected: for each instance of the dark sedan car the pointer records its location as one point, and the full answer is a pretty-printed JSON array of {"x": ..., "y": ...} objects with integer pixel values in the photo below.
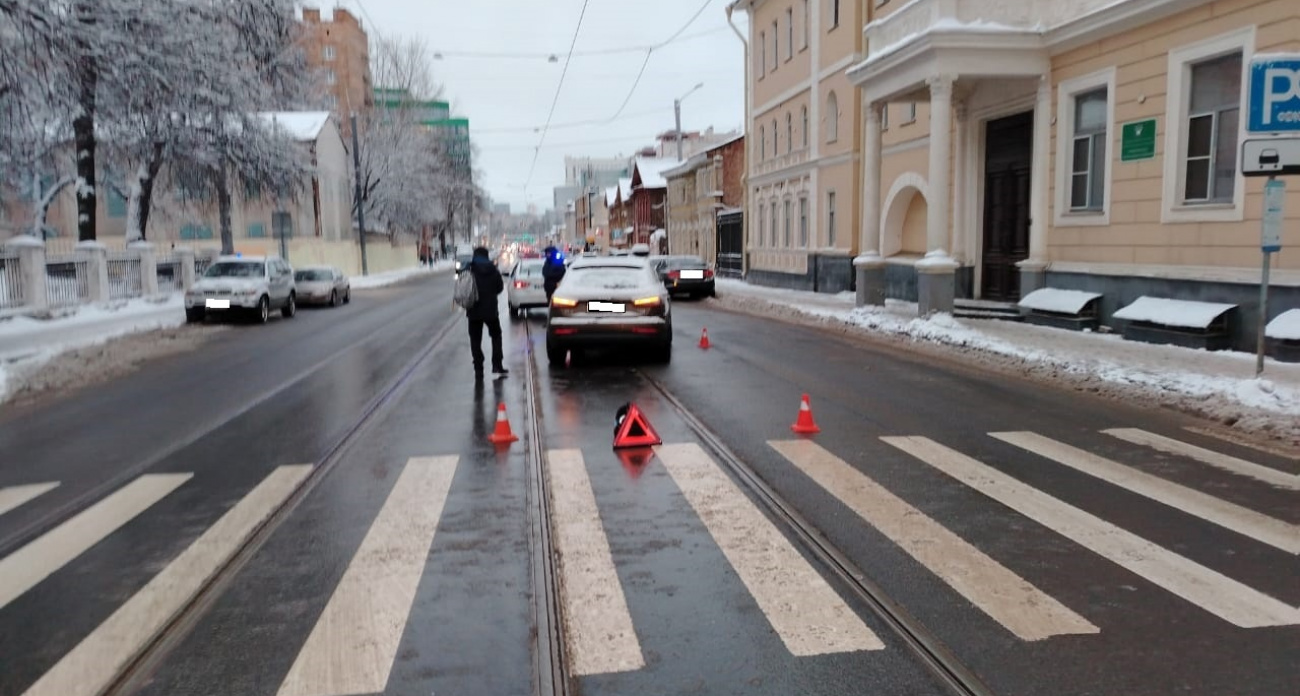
[
  {"x": 609, "y": 301},
  {"x": 687, "y": 275}
]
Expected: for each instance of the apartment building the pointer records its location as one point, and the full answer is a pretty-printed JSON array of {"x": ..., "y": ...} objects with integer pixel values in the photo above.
[
  {"x": 339, "y": 50},
  {"x": 703, "y": 194},
  {"x": 1080, "y": 144},
  {"x": 803, "y": 138}
]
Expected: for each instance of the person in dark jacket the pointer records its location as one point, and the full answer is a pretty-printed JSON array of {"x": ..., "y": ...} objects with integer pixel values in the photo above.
[
  {"x": 552, "y": 270},
  {"x": 484, "y": 312}
]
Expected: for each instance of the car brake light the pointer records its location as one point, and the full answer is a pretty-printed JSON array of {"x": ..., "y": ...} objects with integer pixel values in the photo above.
[
  {"x": 520, "y": 284},
  {"x": 708, "y": 273},
  {"x": 674, "y": 274},
  {"x": 645, "y": 302},
  {"x": 563, "y": 302}
]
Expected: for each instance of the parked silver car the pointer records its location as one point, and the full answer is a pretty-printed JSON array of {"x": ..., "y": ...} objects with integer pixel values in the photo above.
[
  {"x": 252, "y": 285},
  {"x": 322, "y": 285},
  {"x": 610, "y": 301}
]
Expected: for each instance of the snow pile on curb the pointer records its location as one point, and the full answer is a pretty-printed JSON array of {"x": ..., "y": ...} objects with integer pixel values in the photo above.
[
  {"x": 379, "y": 280},
  {"x": 1217, "y": 385}
]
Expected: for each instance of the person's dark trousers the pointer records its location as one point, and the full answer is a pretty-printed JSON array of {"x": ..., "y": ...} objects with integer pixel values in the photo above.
[{"x": 476, "y": 343}]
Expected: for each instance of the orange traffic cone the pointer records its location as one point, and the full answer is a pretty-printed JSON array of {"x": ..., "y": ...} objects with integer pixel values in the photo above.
[
  {"x": 804, "y": 424},
  {"x": 704, "y": 339},
  {"x": 502, "y": 434}
]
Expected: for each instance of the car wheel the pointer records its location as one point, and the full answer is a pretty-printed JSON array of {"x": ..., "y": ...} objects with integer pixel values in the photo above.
[
  {"x": 290, "y": 307},
  {"x": 263, "y": 310},
  {"x": 194, "y": 316},
  {"x": 555, "y": 354},
  {"x": 347, "y": 296},
  {"x": 334, "y": 298},
  {"x": 516, "y": 313}
]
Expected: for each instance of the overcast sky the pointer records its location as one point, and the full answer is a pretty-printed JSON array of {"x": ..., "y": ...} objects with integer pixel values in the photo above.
[{"x": 505, "y": 99}]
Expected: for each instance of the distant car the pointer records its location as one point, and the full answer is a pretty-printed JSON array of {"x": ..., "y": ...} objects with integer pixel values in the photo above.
[
  {"x": 462, "y": 262},
  {"x": 609, "y": 302},
  {"x": 252, "y": 285},
  {"x": 688, "y": 275},
  {"x": 642, "y": 249},
  {"x": 619, "y": 252},
  {"x": 322, "y": 285},
  {"x": 524, "y": 288}
]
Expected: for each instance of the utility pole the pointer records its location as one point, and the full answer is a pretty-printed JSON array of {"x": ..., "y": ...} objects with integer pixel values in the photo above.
[
  {"x": 361, "y": 213},
  {"x": 677, "y": 115}
]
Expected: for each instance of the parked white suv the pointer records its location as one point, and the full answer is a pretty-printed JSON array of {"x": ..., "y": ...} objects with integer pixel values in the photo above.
[{"x": 251, "y": 285}]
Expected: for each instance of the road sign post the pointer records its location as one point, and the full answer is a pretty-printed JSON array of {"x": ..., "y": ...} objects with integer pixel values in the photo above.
[{"x": 1274, "y": 112}]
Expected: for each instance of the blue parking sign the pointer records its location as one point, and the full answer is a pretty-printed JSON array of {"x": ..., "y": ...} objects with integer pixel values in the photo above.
[{"x": 1274, "y": 94}]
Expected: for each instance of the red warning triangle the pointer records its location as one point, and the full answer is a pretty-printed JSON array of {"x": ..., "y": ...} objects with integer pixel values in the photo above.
[
  {"x": 635, "y": 430},
  {"x": 635, "y": 460}
]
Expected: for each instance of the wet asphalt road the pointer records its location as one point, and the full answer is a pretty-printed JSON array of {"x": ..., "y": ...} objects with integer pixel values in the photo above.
[{"x": 404, "y": 566}]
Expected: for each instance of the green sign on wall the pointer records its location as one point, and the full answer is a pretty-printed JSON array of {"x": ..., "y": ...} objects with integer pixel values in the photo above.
[{"x": 1138, "y": 140}]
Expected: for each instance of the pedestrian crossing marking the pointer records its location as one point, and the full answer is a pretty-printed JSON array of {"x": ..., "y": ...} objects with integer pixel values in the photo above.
[
  {"x": 1021, "y": 608},
  {"x": 801, "y": 606},
  {"x": 1220, "y": 595},
  {"x": 13, "y": 496},
  {"x": 1273, "y": 477},
  {"x": 1241, "y": 520},
  {"x": 24, "y": 568},
  {"x": 354, "y": 642},
  {"x": 89, "y": 668},
  {"x": 600, "y": 637}
]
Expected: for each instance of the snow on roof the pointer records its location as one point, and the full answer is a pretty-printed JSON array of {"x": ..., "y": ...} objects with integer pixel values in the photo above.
[
  {"x": 1057, "y": 300},
  {"x": 1285, "y": 326},
  {"x": 625, "y": 187},
  {"x": 300, "y": 125},
  {"x": 611, "y": 194},
  {"x": 652, "y": 170},
  {"x": 1167, "y": 312}
]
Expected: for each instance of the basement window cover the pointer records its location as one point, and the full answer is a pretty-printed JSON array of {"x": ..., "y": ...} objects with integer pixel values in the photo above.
[
  {"x": 1285, "y": 326},
  {"x": 1057, "y": 300},
  {"x": 1186, "y": 314}
]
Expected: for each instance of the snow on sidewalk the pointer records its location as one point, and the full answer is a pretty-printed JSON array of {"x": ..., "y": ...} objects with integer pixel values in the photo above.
[
  {"x": 379, "y": 280},
  {"x": 26, "y": 342},
  {"x": 1216, "y": 384}
]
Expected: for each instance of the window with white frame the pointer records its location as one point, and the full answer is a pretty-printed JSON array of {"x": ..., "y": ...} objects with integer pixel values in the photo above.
[
  {"x": 830, "y": 218},
  {"x": 331, "y": 101},
  {"x": 776, "y": 45},
  {"x": 330, "y": 77},
  {"x": 803, "y": 221},
  {"x": 1201, "y": 181},
  {"x": 884, "y": 116},
  {"x": 1213, "y": 114},
  {"x": 327, "y": 53},
  {"x": 789, "y": 132},
  {"x": 835, "y": 14},
  {"x": 803, "y": 114},
  {"x": 785, "y": 225},
  {"x": 909, "y": 113},
  {"x": 762, "y": 144},
  {"x": 789, "y": 33},
  {"x": 762, "y": 224},
  {"x": 1088, "y": 151},
  {"x": 803, "y": 29},
  {"x": 762, "y": 53},
  {"x": 773, "y": 229},
  {"x": 776, "y": 139},
  {"x": 832, "y": 118}
]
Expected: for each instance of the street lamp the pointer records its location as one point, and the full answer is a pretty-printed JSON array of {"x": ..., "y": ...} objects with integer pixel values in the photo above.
[{"x": 677, "y": 114}]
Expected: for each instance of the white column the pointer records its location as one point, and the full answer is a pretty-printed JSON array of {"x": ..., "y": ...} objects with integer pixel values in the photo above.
[
  {"x": 185, "y": 257},
  {"x": 31, "y": 268},
  {"x": 939, "y": 218},
  {"x": 148, "y": 267},
  {"x": 96, "y": 255},
  {"x": 960, "y": 185},
  {"x": 1038, "y": 177},
  {"x": 870, "y": 242}
]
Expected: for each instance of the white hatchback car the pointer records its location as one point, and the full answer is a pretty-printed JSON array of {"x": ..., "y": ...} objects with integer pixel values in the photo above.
[
  {"x": 525, "y": 288},
  {"x": 252, "y": 285}
]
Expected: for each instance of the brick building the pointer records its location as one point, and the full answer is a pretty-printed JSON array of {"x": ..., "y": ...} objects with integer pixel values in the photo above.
[
  {"x": 339, "y": 50},
  {"x": 649, "y": 195},
  {"x": 707, "y": 186}
]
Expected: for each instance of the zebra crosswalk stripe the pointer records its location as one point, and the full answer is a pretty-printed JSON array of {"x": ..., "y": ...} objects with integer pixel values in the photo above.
[
  {"x": 1012, "y": 601},
  {"x": 801, "y": 606},
  {"x": 89, "y": 667},
  {"x": 13, "y": 496},
  {"x": 1241, "y": 520},
  {"x": 354, "y": 642},
  {"x": 1241, "y": 467},
  {"x": 1214, "y": 592}
]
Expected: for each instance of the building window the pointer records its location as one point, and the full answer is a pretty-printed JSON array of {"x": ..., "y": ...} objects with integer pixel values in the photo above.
[
  {"x": 803, "y": 30},
  {"x": 909, "y": 113},
  {"x": 835, "y": 13},
  {"x": 762, "y": 225},
  {"x": 115, "y": 202},
  {"x": 327, "y": 52},
  {"x": 762, "y": 144},
  {"x": 832, "y": 118},
  {"x": 1088, "y": 151},
  {"x": 803, "y": 114},
  {"x": 789, "y": 33},
  {"x": 774, "y": 225},
  {"x": 196, "y": 232},
  {"x": 1210, "y": 170},
  {"x": 762, "y": 51},
  {"x": 330, "y": 77},
  {"x": 803, "y": 222},
  {"x": 256, "y": 230},
  {"x": 785, "y": 225},
  {"x": 776, "y": 44},
  {"x": 884, "y": 116},
  {"x": 789, "y": 132},
  {"x": 776, "y": 139},
  {"x": 830, "y": 218},
  {"x": 331, "y": 102}
]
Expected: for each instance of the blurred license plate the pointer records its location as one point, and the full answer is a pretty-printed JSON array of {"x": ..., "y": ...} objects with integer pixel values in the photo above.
[
  {"x": 606, "y": 307},
  {"x": 693, "y": 275},
  {"x": 218, "y": 304}
]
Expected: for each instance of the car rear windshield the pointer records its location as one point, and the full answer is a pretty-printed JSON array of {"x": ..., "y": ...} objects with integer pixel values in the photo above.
[
  {"x": 679, "y": 262},
  {"x": 311, "y": 275},
  {"x": 236, "y": 269},
  {"x": 608, "y": 277},
  {"x": 530, "y": 270}
]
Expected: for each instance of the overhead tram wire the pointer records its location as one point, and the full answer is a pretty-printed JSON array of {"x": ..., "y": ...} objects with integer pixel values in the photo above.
[
  {"x": 571, "y": 124},
  {"x": 558, "y": 88},
  {"x": 650, "y": 51},
  {"x": 507, "y": 55}
]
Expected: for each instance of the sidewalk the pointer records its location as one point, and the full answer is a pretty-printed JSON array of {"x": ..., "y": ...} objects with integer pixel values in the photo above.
[
  {"x": 380, "y": 280},
  {"x": 1217, "y": 385}
]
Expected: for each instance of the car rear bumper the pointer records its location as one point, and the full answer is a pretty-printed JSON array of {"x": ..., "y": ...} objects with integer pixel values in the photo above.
[
  {"x": 529, "y": 298},
  {"x": 692, "y": 286},
  {"x": 571, "y": 331}
]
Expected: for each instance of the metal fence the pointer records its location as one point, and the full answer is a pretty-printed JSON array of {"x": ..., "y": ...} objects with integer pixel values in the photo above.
[
  {"x": 11, "y": 282},
  {"x": 169, "y": 273},
  {"x": 67, "y": 280},
  {"x": 201, "y": 264},
  {"x": 124, "y": 276}
]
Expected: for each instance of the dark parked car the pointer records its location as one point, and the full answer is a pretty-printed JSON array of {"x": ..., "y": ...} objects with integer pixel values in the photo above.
[{"x": 687, "y": 275}]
